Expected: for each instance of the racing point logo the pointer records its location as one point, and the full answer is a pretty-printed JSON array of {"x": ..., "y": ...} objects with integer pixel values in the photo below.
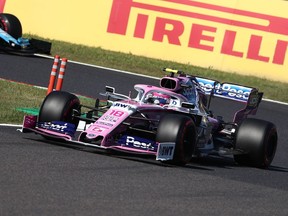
[{"x": 202, "y": 36}]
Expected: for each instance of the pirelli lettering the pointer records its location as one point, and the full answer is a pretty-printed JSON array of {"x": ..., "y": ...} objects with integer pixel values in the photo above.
[{"x": 203, "y": 36}]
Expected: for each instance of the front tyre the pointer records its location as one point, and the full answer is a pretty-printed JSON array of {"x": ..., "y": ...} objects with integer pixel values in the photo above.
[
  {"x": 11, "y": 24},
  {"x": 59, "y": 106},
  {"x": 181, "y": 130},
  {"x": 257, "y": 139}
]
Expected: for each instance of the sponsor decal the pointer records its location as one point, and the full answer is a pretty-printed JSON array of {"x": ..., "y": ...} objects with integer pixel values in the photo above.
[
  {"x": 104, "y": 123},
  {"x": 91, "y": 135},
  {"x": 58, "y": 126},
  {"x": 97, "y": 129},
  {"x": 190, "y": 93},
  {"x": 225, "y": 90},
  {"x": 174, "y": 102},
  {"x": 29, "y": 121},
  {"x": 123, "y": 106},
  {"x": 110, "y": 118},
  {"x": 234, "y": 91},
  {"x": 140, "y": 17},
  {"x": 137, "y": 142},
  {"x": 165, "y": 151}
]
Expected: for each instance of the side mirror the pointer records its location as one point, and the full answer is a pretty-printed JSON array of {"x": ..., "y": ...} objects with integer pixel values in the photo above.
[
  {"x": 110, "y": 89},
  {"x": 187, "y": 105}
]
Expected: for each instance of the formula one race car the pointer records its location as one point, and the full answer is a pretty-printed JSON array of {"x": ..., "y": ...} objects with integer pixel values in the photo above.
[
  {"x": 11, "y": 40},
  {"x": 171, "y": 122}
]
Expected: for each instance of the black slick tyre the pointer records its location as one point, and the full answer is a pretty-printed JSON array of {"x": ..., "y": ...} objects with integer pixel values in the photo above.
[
  {"x": 11, "y": 24},
  {"x": 58, "y": 106},
  {"x": 181, "y": 130},
  {"x": 257, "y": 139}
]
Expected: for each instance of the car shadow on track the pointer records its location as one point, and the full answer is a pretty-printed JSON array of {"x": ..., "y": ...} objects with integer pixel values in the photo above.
[
  {"x": 209, "y": 163},
  {"x": 278, "y": 169}
]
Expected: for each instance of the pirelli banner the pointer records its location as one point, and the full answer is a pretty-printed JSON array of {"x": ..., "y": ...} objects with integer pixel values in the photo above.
[{"x": 243, "y": 36}]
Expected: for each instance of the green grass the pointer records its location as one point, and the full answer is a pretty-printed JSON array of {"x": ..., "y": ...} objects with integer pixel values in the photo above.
[
  {"x": 16, "y": 98},
  {"x": 13, "y": 96}
]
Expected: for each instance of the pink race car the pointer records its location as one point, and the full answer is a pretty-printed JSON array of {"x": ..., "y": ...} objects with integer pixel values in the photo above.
[{"x": 171, "y": 122}]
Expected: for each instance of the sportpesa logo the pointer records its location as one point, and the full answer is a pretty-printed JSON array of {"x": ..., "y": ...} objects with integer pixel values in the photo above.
[{"x": 203, "y": 30}]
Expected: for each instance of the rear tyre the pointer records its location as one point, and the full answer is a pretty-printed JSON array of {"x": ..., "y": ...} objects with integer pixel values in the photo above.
[
  {"x": 11, "y": 24},
  {"x": 59, "y": 106},
  {"x": 181, "y": 130},
  {"x": 258, "y": 141}
]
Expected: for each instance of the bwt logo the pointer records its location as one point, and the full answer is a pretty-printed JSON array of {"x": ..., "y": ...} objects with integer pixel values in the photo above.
[{"x": 202, "y": 37}]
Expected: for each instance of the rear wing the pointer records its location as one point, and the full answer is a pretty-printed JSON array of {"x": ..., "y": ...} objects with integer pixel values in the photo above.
[
  {"x": 250, "y": 96},
  {"x": 215, "y": 88},
  {"x": 225, "y": 90}
]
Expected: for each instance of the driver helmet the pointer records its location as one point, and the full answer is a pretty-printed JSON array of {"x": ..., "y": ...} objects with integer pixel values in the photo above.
[{"x": 159, "y": 98}]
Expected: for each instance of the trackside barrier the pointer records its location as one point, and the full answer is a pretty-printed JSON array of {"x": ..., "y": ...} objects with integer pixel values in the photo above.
[
  {"x": 60, "y": 75},
  {"x": 53, "y": 74}
]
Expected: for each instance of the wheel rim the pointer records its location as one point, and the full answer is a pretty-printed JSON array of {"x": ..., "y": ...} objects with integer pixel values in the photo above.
[{"x": 2, "y": 26}]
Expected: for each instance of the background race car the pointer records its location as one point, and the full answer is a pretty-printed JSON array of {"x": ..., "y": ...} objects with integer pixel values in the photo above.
[{"x": 11, "y": 40}]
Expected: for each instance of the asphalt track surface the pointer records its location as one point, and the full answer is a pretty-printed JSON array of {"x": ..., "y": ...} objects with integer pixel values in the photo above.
[{"x": 44, "y": 178}]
